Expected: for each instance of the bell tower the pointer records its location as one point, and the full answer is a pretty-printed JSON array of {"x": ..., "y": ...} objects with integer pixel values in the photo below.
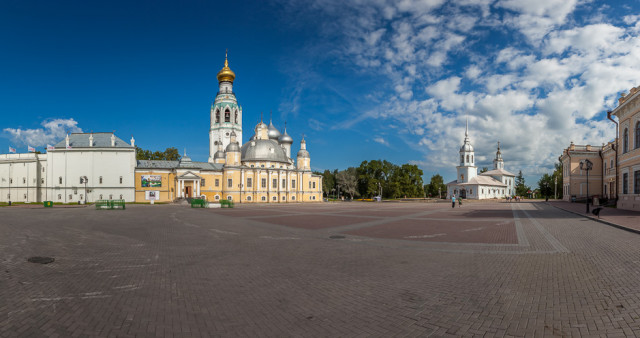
[
  {"x": 467, "y": 169},
  {"x": 498, "y": 163},
  {"x": 226, "y": 114}
]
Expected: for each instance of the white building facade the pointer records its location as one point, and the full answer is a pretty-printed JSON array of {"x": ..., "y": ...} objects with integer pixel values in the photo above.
[{"x": 496, "y": 183}]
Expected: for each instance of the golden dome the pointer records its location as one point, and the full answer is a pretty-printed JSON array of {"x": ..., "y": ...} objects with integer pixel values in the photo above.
[{"x": 226, "y": 74}]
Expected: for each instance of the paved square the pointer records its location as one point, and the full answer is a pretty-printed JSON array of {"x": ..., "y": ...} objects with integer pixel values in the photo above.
[{"x": 345, "y": 269}]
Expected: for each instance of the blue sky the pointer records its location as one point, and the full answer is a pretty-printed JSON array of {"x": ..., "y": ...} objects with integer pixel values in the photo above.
[{"x": 377, "y": 79}]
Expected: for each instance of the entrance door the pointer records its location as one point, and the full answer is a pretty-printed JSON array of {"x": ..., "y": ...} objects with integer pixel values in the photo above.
[
  {"x": 187, "y": 191},
  {"x": 463, "y": 193}
]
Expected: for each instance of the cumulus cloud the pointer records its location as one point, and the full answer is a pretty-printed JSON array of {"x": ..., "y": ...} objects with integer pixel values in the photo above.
[
  {"x": 380, "y": 140},
  {"x": 52, "y": 131},
  {"x": 554, "y": 75}
]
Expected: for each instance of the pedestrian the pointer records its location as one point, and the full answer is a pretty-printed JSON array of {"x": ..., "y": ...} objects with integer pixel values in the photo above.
[
  {"x": 459, "y": 202},
  {"x": 453, "y": 201}
]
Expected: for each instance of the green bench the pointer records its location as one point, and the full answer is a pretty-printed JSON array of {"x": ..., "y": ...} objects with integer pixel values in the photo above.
[{"x": 110, "y": 204}]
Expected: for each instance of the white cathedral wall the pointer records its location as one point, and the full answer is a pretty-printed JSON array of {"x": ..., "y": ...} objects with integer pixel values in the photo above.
[{"x": 115, "y": 167}]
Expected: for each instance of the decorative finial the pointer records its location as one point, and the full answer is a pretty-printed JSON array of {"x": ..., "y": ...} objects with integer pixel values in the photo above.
[
  {"x": 498, "y": 145},
  {"x": 261, "y": 117},
  {"x": 285, "y": 126},
  {"x": 270, "y": 116},
  {"x": 185, "y": 152},
  {"x": 226, "y": 62},
  {"x": 466, "y": 131}
]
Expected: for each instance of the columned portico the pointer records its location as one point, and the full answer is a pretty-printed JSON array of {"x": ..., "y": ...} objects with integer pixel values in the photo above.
[{"x": 189, "y": 185}]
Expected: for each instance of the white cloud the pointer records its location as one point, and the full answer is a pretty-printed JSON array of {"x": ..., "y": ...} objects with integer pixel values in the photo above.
[
  {"x": 381, "y": 140},
  {"x": 52, "y": 132}
]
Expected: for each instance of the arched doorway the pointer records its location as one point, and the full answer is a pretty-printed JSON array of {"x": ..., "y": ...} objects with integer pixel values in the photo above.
[{"x": 463, "y": 193}]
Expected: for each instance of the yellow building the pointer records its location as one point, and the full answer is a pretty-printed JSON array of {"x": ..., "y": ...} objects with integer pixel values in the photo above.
[
  {"x": 259, "y": 171},
  {"x": 628, "y": 149}
]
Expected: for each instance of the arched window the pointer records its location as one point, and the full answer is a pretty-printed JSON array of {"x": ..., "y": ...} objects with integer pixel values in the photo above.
[
  {"x": 275, "y": 198},
  {"x": 236, "y": 119},
  {"x": 217, "y": 116},
  {"x": 471, "y": 158},
  {"x": 248, "y": 198},
  {"x": 229, "y": 198},
  {"x": 637, "y": 140},
  {"x": 461, "y": 158},
  {"x": 100, "y": 196},
  {"x": 467, "y": 158},
  {"x": 110, "y": 197},
  {"x": 59, "y": 197},
  {"x": 264, "y": 198},
  {"x": 60, "y": 180},
  {"x": 227, "y": 116},
  {"x": 625, "y": 140}
]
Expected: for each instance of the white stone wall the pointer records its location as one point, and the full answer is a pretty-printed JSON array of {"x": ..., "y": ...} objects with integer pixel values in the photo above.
[
  {"x": 22, "y": 177},
  {"x": 115, "y": 166}
]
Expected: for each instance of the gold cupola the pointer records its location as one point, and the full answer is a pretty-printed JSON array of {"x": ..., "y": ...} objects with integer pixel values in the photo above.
[{"x": 226, "y": 74}]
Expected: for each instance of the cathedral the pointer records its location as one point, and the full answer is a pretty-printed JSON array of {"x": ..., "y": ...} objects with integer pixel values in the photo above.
[
  {"x": 496, "y": 183},
  {"x": 86, "y": 167}
]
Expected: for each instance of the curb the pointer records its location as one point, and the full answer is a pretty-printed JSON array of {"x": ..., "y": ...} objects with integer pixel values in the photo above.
[{"x": 636, "y": 231}]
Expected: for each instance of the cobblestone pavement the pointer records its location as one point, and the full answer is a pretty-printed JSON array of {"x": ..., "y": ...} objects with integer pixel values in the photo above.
[
  {"x": 344, "y": 269},
  {"x": 619, "y": 217}
]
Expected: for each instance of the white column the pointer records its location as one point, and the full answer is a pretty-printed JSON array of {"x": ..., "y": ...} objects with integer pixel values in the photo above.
[
  {"x": 181, "y": 187},
  {"x": 198, "y": 187}
]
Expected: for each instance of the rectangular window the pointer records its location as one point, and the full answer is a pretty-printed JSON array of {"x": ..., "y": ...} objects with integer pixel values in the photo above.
[
  {"x": 293, "y": 184},
  {"x": 636, "y": 182},
  {"x": 274, "y": 185},
  {"x": 81, "y": 180},
  {"x": 100, "y": 180},
  {"x": 309, "y": 184},
  {"x": 60, "y": 180},
  {"x": 314, "y": 185},
  {"x": 229, "y": 183},
  {"x": 217, "y": 182},
  {"x": 120, "y": 179},
  {"x": 249, "y": 182},
  {"x": 264, "y": 182},
  {"x": 284, "y": 184},
  {"x": 625, "y": 183},
  {"x": 202, "y": 182}
]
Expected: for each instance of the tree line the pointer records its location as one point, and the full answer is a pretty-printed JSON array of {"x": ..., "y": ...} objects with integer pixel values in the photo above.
[
  {"x": 380, "y": 177},
  {"x": 170, "y": 154}
]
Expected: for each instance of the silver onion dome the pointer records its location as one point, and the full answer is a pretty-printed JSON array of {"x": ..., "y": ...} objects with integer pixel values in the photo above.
[
  {"x": 263, "y": 150},
  {"x": 273, "y": 132},
  {"x": 285, "y": 138},
  {"x": 233, "y": 147},
  {"x": 303, "y": 153}
]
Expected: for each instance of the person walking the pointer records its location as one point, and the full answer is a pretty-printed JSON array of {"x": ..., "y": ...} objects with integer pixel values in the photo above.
[
  {"x": 459, "y": 202},
  {"x": 453, "y": 201}
]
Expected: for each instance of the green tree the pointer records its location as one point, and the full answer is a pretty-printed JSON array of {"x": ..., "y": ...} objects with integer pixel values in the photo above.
[
  {"x": 170, "y": 154},
  {"x": 436, "y": 186},
  {"x": 545, "y": 185},
  {"x": 328, "y": 182},
  {"x": 484, "y": 170},
  {"x": 373, "y": 175},
  {"x": 406, "y": 180},
  {"x": 521, "y": 188}
]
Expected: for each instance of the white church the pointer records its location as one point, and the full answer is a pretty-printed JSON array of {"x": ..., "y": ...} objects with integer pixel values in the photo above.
[{"x": 496, "y": 183}]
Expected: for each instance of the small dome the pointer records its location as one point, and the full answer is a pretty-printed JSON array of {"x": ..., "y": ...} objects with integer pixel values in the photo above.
[
  {"x": 303, "y": 153},
  {"x": 218, "y": 154},
  {"x": 233, "y": 147},
  {"x": 467, "y": 147},
  {"x": 263, "y": 150},
  {"x": 226, "y": 74},
  {"x": 285, "y": 138},
  {"x": 273, "y": 132}
]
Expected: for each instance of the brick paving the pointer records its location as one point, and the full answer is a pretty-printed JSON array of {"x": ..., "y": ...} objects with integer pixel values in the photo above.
[
  {"x": 343, "y": 269},
  {"x": 619, "y": 217}
]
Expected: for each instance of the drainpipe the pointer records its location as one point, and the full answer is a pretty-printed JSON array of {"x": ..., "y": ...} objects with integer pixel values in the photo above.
[
  {"x": 616, "y": 149},
  {"x": 602, "y": 175}
]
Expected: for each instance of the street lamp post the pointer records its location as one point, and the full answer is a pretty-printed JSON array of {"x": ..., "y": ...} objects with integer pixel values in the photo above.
[
  {"x": 555, "y": 188},
  {"x": 586, "y": 165}
]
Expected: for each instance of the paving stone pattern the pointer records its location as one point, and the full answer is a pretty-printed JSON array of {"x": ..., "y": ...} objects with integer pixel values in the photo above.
[{"x": 393, "y": 269}]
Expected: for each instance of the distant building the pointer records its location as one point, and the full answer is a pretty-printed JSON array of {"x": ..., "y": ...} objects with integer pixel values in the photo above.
[
  {"x": 574, "y": 180},
  {"x": 496, "y": 183}
]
